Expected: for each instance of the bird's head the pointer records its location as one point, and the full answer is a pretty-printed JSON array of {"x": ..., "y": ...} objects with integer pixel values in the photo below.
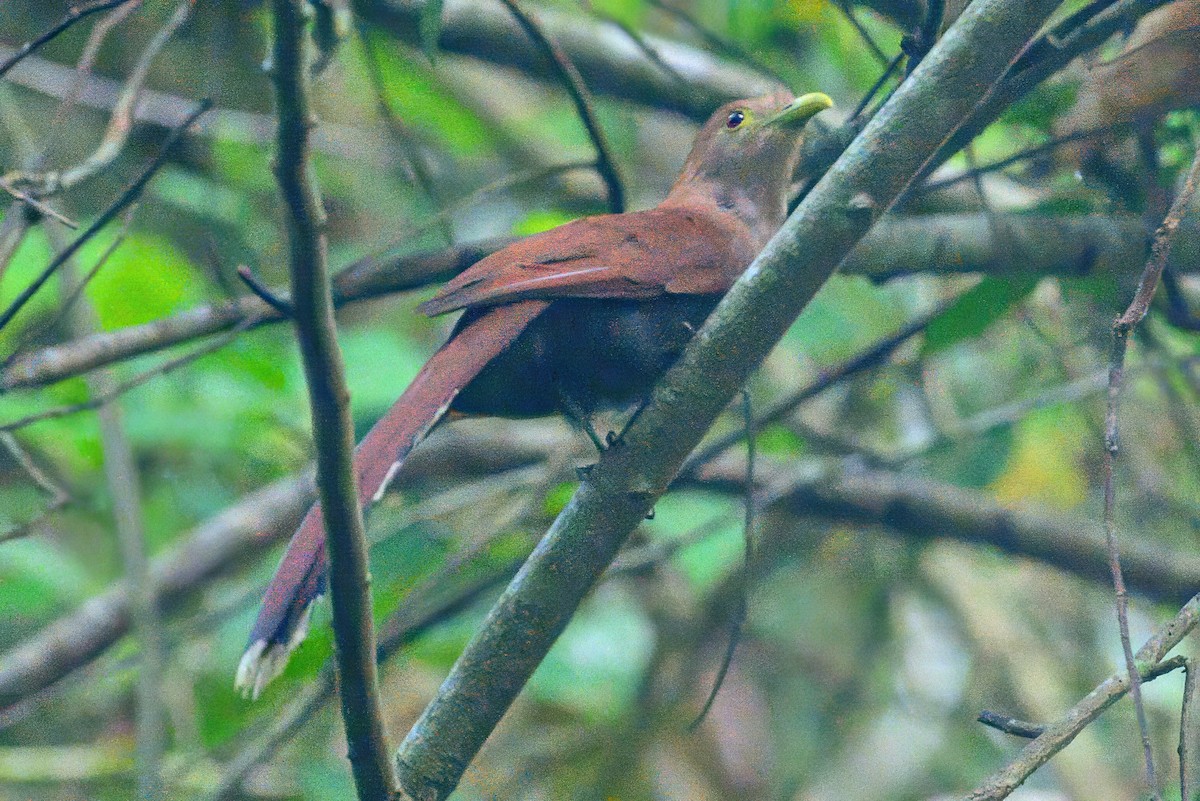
[{"x": 745, "y": 154}]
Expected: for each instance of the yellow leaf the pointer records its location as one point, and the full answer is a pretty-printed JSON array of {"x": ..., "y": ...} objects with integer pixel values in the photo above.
[{"x": 1044, "y": 465}]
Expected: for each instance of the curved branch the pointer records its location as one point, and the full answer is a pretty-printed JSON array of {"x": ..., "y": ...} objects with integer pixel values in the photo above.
[
  {"x": 232, "y": 538},
  {"x": 120, "y": 124},
  {"x": 72, "y": 16},
  {"x": 573, "y": 83},
  {"x": 921, "y": 509},
  {"x": 129, "y": 196}
]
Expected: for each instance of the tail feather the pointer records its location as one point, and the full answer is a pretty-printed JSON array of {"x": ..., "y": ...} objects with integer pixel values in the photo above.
[{"x": 300, "y": 578}]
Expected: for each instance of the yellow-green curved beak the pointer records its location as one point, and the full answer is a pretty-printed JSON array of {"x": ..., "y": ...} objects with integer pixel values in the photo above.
[{"x": 802, "y": 109}]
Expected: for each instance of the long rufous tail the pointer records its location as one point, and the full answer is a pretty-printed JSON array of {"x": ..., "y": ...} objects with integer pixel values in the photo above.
[{"x": 300, "y": 578}]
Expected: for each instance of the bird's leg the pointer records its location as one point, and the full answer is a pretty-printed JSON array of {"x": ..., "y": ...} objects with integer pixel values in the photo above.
[{"x": 579, "y": 417}]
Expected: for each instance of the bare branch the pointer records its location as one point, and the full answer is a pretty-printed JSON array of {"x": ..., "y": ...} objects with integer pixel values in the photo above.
[
  {"x": 120, "y": 123},
  {"x": 578, "y": 92},
  {"x": 227, "y": 541},
  {"x": 899, "y": 245},
  {"x": 1122, "y": 327},
  {"x": 333, "y": 430},
  {"x": 99, "y": 399}
]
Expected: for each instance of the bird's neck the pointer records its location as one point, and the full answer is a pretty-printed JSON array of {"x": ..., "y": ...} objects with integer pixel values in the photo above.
[{"x": 760, "y": 205}]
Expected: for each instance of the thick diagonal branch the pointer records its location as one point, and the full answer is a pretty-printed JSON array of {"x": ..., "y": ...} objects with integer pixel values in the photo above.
[{"x": 630, "y": 476}]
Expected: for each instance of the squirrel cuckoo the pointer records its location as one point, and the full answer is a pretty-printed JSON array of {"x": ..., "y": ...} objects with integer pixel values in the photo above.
[{"x": 584, "y": 316}]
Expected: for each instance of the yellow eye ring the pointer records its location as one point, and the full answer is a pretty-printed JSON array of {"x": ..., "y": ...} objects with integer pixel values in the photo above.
[{"x": 735, "y": 119}]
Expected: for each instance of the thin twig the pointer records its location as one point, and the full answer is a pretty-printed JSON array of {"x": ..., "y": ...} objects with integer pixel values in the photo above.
[
  {"x": 475, "y": 195},
  {"x": 333, "y": 429},
  {"x": 37, "y": 331},
  {"x": 37, "y": 205},
  {"x": 415, "y": 616},
  {"x": 1121, "y": 329},
  {"x": 864, "y": 360},
  {"x": 59, "y": 497},
  {"x": 1013, "y": 726},
  {"x": 572, "y": 81},
  {"x": 648, "y": 50},
  {"x": 57, "y": 494},
  {"x": 400, "y": 133},
  {"x": 1041, "y": 58},
  {"x": 129, "y": 196},
  {"x": 1028, "y": 153},
  {"x": 1189, "y": 734},
  {"x": 87, "y": 60},
  {"x": 281, "y": 305},
  {"x": 738, "y": 618},
  {"x": 865, "y": 35},
  {"x": 889, "y": 70},
  {"x": 74, "y": 15},
  {"x": 231, "y": 539},
  {"x": 919, "y": 43},
  {"x": 18, "y": 221},
  {"x": 121, "y": 476},
  {"x": 1031, "y": 731},
  {"x": 718, "y": 42}
]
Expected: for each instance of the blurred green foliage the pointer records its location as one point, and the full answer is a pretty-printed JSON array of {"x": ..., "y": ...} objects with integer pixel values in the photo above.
[{"x": 865, "y": 655}]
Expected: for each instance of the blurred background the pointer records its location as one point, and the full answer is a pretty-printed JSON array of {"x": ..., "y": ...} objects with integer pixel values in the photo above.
[{"x": 928, "y": 525}]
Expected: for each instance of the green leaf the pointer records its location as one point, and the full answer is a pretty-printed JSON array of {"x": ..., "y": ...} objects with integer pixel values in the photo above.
[
  {"x": 845, "y": 315},
  {"x": 146, "y": 278},
  {"x": 972, "y": 313},
  {"x": 429, "y": 26},
  {"x": 37, "y": 578},
  {"x": 538, "y": 221}
]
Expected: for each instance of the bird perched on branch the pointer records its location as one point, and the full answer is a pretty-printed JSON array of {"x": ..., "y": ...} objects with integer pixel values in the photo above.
[{"x": 585, "y": 316}]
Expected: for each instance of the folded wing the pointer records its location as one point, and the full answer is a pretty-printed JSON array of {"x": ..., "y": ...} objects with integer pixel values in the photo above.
[{"x": 639, "y": 255}]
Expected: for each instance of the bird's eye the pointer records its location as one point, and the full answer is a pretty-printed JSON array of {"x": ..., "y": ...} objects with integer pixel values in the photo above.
[{"x": 735, "y": 119}]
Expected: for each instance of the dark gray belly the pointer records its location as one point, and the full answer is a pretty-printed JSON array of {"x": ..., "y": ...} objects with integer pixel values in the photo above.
[{"x": 596, "y": 353}]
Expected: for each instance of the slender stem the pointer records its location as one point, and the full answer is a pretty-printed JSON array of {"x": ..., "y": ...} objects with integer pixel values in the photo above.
[
  {"x": 333, "y": 430},
  {"x": 1189, "y": 734},
  {"x": 1121, "y": 329},
  {"x": 865, "y": 35},
  {"x": 573, "y": 82},
  {"x": 120, "y": 470},
  {"x": 74, "y": 15}
]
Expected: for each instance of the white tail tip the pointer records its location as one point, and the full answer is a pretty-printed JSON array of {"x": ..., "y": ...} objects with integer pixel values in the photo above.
[{"x": 263, "y": 661}]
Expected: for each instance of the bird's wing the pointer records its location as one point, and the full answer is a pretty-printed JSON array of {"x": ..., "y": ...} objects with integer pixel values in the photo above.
[
  {"x": 638, "y": 255},
  {"x": 300, "y": 578}
]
